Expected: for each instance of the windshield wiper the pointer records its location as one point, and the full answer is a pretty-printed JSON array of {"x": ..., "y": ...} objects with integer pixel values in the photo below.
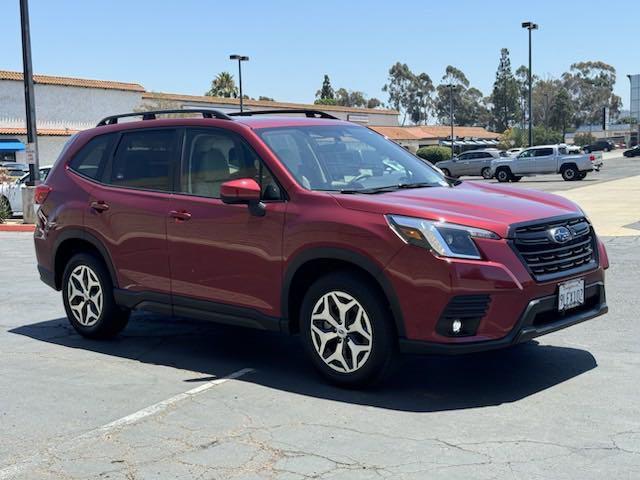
[
  {"x": 417, "y": 185},
  {"x": 388, "y": 188}
]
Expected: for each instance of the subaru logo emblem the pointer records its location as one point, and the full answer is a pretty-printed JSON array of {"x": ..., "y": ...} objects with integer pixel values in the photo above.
[{"x": 560, "y": 234}]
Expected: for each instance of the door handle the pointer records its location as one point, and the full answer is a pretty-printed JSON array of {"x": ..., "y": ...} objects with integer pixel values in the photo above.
[
  {"x": 99, "y": 205},
  {"x": 180, "y": 215}
]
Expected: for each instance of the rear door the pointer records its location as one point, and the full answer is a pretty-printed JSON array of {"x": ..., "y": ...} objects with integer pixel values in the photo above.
[
  {"x": 480, "y": 160},
  {"x": 128, "y": 209},
  {"x": 222, "y": 257}
]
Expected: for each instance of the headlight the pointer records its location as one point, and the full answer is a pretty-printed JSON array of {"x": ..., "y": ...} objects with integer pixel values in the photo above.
[{"x": 445, "y": 239}]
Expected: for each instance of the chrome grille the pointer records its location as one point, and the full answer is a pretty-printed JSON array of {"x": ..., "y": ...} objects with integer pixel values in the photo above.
[{"x": 546, "y": 258}]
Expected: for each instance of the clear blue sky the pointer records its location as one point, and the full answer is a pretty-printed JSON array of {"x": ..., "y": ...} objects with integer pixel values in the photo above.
[{"x": 178, "y": 46}]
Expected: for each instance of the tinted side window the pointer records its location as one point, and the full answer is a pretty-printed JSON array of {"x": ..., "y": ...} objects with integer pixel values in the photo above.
[
  {"x": 214, "y": 156},
  {"x": 90, "y": 160},
  {"x": 144, "y": 159},
  {"x": 544, "y": 152}
]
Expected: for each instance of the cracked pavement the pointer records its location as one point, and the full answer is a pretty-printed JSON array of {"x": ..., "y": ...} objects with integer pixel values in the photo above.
[{"x": 564, "y": 407}]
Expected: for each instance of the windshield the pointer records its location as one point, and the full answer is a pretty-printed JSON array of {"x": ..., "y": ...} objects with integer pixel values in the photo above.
[{"x": 348, "y": 159}]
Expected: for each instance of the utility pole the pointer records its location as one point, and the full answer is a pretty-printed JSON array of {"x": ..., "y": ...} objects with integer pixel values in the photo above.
[
  {"x": 530, "y": 26},
  {"x": 451, "y": 115},
  {"x": 29, "y": 99}
]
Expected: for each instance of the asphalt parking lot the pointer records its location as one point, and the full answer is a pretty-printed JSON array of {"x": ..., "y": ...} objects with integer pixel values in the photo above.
[{"x": 172, "y": 398}]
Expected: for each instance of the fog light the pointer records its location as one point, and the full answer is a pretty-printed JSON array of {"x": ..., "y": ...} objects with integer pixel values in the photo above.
[{"x": 456, "y": 326}]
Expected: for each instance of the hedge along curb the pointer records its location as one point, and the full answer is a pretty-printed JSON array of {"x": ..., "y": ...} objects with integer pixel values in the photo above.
[{"x": 16, "y": 227}]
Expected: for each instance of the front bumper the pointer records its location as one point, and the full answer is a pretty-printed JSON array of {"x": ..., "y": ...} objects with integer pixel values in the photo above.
[{"x": 539, "y": 318}]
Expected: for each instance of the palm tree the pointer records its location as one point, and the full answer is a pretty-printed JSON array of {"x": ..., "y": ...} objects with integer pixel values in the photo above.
[{"x": 223, "y": 86}]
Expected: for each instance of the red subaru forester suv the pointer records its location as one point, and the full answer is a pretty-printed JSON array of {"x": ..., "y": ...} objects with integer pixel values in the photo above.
[{"x": 310, "y": 225}]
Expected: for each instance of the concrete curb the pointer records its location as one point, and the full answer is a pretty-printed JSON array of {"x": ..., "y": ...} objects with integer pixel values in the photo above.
[{"x": 16, "y": 227}]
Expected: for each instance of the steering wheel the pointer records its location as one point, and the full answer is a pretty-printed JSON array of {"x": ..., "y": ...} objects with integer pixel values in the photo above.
[{"x": 357, "y": 179}]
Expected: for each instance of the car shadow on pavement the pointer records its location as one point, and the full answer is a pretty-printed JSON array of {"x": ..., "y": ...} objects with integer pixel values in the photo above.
[{"x": 420, "y": 384}]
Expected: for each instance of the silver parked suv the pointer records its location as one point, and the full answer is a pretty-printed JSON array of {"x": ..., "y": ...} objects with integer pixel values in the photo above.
[{"x": 473, "y": 162}]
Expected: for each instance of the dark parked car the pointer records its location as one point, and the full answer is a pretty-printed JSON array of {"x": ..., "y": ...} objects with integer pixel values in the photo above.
[
  {"x": 634, "y": 152},
  {"x": 307, "y": 225},
  {"x": 599, "y": 146}
]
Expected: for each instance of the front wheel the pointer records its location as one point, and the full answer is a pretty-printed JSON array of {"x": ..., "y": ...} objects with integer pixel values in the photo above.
[
  {"x": 503, "y": 175},
  {"x": 486, "y": 173},
  {"x": 87, "y": 293},
  {"x": 446, "y": 172},
  {"x": 347, "y": 330}
]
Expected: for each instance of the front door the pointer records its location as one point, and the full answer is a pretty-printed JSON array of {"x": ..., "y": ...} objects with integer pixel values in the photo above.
[{"x": 223, "y": 253}]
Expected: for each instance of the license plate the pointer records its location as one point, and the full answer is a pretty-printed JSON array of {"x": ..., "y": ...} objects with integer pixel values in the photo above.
[{"x": 570, "y": 294}]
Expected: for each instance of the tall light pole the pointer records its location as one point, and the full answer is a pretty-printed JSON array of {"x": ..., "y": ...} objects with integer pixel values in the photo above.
[
  {"x": 530, "y": 26},
  {"x": 451, "y": 87},
  {"x": 240, "y": 59},
  {"x": 29, "y": 100}
]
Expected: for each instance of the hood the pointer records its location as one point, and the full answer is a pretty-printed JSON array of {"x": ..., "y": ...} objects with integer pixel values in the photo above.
[{"x": 474, "y": 204}]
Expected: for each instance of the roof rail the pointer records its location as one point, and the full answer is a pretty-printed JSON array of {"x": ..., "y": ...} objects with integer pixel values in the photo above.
[
  {"x": 151, "y": 115},
  {"x": 310, "y": 113}
]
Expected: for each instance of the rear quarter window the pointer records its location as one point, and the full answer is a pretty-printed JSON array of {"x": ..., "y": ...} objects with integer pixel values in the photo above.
[{"x": 91, "y": 158}]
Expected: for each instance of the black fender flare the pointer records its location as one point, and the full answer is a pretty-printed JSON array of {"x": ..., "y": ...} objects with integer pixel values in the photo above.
[
  {"x": 349, "y": 256},
  {"x": 79, "y": 234}
]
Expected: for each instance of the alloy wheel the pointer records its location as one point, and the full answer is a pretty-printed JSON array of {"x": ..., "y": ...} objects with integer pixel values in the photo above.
[
  {"x": 341, "y": 332},
  {"x": 84, "y": 295}
]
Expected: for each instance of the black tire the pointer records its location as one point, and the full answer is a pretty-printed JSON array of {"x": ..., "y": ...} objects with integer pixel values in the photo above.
[
  {"x": 503, "y": 174},
  {"x": 110, "y": 319},
  {"x": 581, "y": 176},
  {"x": 569, "y": 173},
  {"x": 486, "y": 173},
  {"x": 515, "y": 178},
  {"x": 379, "y": 361},
  {"x": 446, "y": 172}
]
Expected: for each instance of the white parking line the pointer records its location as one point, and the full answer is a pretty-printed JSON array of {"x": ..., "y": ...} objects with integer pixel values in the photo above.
[{"x": 12, "y": 470}]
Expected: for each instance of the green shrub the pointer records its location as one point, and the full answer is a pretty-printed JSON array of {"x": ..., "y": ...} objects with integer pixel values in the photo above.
[
  {"x": 4, "y": 210},
  {"x": 434, "y": 154},
  {"x": 583, "y": 139},
  {"x": 517, "y": 137}
]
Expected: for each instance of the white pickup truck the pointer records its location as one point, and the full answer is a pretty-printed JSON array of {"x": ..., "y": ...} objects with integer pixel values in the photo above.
[
  {"x": 545, "y": 159},
  {"x": 11, "y": 192}
]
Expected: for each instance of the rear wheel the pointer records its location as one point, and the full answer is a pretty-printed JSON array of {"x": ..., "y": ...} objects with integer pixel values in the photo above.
[
  {"x": 581, "y": 176},
  {"x": 486, "y": 173},
  {"x": 515, "y": 178},
  {"x": 87, "y": 293},
  {"x": 503, "y": 175},
  {"x": 347, "y": 330},
  {"x": 570, "y": 173},
  {"x": 446, "y": 172}
]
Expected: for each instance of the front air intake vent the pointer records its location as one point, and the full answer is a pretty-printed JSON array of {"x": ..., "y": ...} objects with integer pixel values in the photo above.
[{"x": 462, "y": 315}]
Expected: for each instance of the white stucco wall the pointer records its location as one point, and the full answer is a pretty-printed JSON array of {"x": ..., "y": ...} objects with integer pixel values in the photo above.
[{"x": 65, "y": 104}]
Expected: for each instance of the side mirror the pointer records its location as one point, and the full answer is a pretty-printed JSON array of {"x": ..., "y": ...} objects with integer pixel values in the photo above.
[{"x": 243, "y": 191}]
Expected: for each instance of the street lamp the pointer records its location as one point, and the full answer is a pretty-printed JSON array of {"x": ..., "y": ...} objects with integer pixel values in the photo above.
[
  {"x": 240, "y": 59},
  {"x": 451, "y": 87},
  {"x": 530, "y": 26}
]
